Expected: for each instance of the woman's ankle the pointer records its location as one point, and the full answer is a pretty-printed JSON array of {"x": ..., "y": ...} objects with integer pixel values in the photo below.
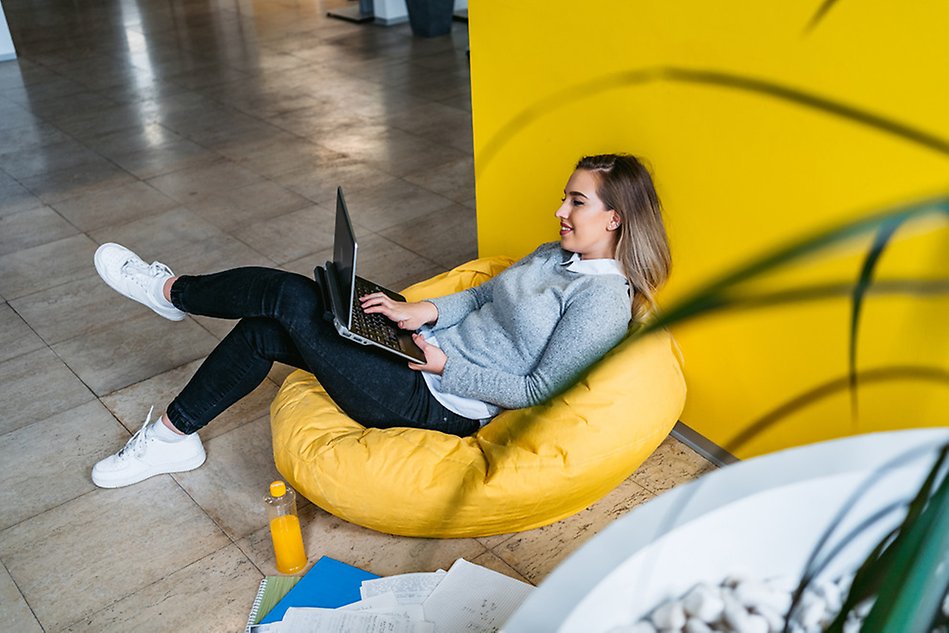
[{"x": 166, "y": 289}]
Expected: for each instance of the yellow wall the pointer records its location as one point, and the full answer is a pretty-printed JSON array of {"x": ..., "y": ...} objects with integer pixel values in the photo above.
[{"x": 740, "y": 168}]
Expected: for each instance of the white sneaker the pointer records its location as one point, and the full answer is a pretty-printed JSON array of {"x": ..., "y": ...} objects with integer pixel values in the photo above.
[
  {"x": 145, "y": 456},
  {"x": 127, "y": 274}
]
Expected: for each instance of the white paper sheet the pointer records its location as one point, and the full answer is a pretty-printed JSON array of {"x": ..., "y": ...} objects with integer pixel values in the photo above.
[
  {"x": 473, "y": 599},
  {"x": 386, "y": 603},
  {"x": 408, "y": 588},
  {"x": 313, "y": 620}
]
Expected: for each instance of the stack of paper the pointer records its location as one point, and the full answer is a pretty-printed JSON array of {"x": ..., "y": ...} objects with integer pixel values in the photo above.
[{"x": 467, "y": 598}]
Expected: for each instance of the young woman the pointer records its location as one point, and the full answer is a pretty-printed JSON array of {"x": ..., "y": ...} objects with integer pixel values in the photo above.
[{"x": 512, "y": 342}]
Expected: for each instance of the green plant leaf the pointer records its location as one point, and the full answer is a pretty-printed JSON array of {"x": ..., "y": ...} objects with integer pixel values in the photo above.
[
  {"x": 883, "y": 237},
  {"x": 910, "y": 596}
]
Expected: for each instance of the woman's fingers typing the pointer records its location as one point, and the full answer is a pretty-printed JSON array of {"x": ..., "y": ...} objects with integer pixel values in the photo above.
[{"x": 408, "y": 316}]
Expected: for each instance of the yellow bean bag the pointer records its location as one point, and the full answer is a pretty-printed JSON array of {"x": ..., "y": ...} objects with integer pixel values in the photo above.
[{"x": 526, "y": 468}]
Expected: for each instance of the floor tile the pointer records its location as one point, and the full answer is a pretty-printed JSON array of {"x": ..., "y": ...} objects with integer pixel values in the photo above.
[
  {"x": 34, "y": 387},
  {"x": 54, "y": 458},
  {"x": 132, "y": 350},
  {"x": 535, "y": 553},
  {"x": 256, "y": 203},
  {"x": 67, "y": 154},
  {"x": 170, "y": 157},
  {"x": 454, "y": 180},
  {"x": 448, "y": 236},
  {"x": 319, "y": 185},
  {"x": 130, "y": 405},
  {"x": 14, "y": 610},
  {"x": 382, "y": 554},
  {"x": 90, "y": 176},
  {"x": 390, "y": 203},
  {"x": 210, "y": 595},
  {"x": 221, "y": 175},
  {"x": 493, "y": 561},
  {"x": 231, "y": 485},
  {"x": 124, "y": 539},
  {"x": 291, "y": 235},
  {"x": 26, "y": 229},
  {"x": 14, "y": 197},
  {"x": 45, "y": 266},
  {"x": 673, "y": 463},
  {"x": 75, "y": 309},
  {"x": 16, "y": 337},
  {"x": 111, "y": 207}
]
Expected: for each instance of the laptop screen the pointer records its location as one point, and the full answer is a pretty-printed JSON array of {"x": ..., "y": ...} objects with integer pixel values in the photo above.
[{"x": 344, "y": 255}]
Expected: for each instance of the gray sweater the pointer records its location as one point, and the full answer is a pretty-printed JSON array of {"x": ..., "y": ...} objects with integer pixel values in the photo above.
[{"x": 528, "y": 333}]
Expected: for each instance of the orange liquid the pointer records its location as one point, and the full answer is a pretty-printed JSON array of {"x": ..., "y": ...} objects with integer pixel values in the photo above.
[{"x": 288, "y": 544}]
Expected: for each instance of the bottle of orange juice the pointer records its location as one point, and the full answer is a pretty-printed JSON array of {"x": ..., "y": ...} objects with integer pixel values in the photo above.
[{"x": 285, "y": 528}]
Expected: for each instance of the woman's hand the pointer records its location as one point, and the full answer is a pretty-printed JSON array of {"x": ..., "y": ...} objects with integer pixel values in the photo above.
[
  {"x": 408, "y": 316},
  {"x": 435, "y": 358}
]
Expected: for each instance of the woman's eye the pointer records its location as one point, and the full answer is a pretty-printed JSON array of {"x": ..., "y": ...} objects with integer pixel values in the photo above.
[{"x": 578, "y": 203}]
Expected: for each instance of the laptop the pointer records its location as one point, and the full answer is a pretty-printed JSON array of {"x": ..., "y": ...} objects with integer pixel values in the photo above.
[{"x": 342, "y": 289}]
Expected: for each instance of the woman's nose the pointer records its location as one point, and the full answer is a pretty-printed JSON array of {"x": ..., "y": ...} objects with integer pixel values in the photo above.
[{"x": 562, "y": 211}]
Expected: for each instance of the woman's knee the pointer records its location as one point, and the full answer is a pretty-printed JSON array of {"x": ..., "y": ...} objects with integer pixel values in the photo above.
[{"x": 294, "y": 297}]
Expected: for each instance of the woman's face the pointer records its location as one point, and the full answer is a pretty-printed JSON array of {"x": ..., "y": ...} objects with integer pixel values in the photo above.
[{"x": 587, "y": 227}]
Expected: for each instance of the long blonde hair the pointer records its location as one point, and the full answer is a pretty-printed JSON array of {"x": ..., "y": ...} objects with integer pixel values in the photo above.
[{"x": 642, "y": 247}]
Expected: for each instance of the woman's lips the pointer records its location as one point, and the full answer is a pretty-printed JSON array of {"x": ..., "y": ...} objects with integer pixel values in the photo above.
[{"x": 564, "y": 229}]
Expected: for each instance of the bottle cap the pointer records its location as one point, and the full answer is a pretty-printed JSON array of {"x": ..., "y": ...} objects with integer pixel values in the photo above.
[{"x": 278, "y": 489}]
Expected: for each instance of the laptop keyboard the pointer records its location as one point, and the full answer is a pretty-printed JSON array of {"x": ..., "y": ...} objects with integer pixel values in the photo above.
[{"x": 374, "y": 327}]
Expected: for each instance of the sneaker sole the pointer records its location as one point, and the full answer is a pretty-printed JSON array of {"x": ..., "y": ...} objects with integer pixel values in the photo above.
[
  {"x": 172, "y": 314},
  {"x": 179, "y": 467}
]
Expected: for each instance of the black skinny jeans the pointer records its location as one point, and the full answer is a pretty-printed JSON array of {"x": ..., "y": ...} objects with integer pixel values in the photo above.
[{"x": 282, "y": 319}]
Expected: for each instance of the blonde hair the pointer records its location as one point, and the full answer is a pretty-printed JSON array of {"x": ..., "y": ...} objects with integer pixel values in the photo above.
[{"x": 642, "y": 247}]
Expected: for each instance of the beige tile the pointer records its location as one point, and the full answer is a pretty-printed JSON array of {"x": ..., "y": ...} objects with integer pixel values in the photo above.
[
  {"x": 231, "y": 484},
  {"x": 382, "y": 554},
  {"x": 212, "y": 595},
  {"x": 292, "y": 235},
  {"x": 447, "y": 236},
  {"x": 256, "y": 203},
  {"x": 492, "y": 542},
  {"x": 673, "y": 463},
  {"x": 16, "y": 337},
  {"x": 53, "y": 458},
  {"x": 14, "y": 612},
  {"x": 391, "y": 265},
  {"x": 35, "y": 386},
  {"x": 391, "y": 203},
  {"x": 133, "y": 349},
  {"x": 196, "y": 181},
  {"x": 46, "y": 266},
  {"x": 130, "y": 405},
  {"x": 115, "y": 206},
  {"x": 117, "y": 541},
  {"x": 535, "y": 553},
  {"x": 454, "y": 180},
  {"x": 75, "y": 309},
  {"x": 93, "y": 176},
  {"x": 184, "y": 241},
  {"x": 19, "y": 231},
  {"x": 493, "y": 561},
  {"x": 320, "y": 185},
  {"x": 174, "y": 156}
]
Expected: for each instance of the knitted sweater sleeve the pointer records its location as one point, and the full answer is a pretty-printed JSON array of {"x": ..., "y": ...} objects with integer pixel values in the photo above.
[{"x": 592, "y": 324}]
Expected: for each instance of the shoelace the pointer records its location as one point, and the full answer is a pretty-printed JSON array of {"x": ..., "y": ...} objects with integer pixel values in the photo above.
[
  {"x": 136, "y": 445},
  {"x": 153, "y": 270}
]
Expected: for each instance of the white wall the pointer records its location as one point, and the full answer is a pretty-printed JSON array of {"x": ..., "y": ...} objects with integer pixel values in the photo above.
[
  {"x": 394, "y": 11},
  {"x": 6, "y": 42}
]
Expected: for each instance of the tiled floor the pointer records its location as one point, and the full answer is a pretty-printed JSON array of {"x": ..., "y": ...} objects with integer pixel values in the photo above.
[{"x": 208, "y": 134}]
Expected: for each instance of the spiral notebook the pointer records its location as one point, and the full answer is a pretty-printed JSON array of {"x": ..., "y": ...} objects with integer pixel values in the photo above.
[{"x": 271, "y": 591}]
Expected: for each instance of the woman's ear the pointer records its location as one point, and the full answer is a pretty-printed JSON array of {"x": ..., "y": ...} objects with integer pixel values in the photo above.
[{"x": 615, "y": 220}]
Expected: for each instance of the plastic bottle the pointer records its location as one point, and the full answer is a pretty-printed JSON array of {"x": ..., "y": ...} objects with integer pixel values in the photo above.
[{"x": 285, "y": 528}]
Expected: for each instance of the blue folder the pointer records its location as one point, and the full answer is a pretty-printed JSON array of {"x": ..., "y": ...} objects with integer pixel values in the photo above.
[{"x": 328, "y": 584}]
